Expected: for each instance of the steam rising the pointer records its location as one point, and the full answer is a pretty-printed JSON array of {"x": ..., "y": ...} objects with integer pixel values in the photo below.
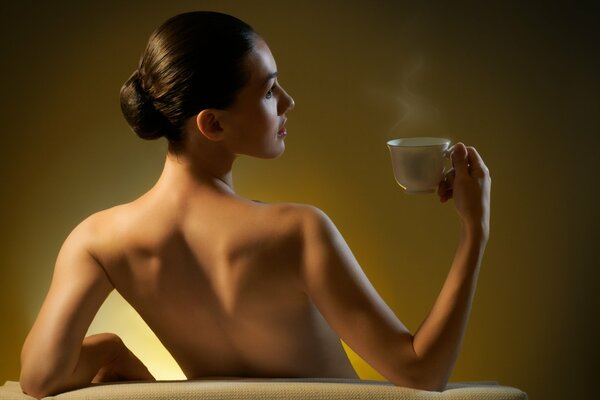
[{"x": 416, "y": 115}]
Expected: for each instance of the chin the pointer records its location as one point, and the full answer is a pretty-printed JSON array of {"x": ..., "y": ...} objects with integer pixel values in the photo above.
[
  {"x": 276, "y": 154},
  {"x": 274, "y": 149},
  {"x": 268, "y": 154}
]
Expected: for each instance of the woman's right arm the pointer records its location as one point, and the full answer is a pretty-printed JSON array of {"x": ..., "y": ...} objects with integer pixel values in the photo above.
[{"x": 339, "y": 288}]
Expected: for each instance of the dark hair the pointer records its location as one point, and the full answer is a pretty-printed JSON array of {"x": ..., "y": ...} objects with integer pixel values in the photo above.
[{"x": 193, "y": 61}]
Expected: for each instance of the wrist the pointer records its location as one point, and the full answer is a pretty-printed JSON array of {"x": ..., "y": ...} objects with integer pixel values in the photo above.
[
  {"x": 105, "y": 347},
  {"x": 475, "y": 231}
]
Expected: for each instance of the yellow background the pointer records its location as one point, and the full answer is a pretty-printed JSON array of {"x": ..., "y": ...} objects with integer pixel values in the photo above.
[{"x": 519, "y": 82}]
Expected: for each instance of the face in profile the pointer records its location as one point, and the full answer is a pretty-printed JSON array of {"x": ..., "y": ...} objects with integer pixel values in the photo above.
[{"x": 259, "y": 112}]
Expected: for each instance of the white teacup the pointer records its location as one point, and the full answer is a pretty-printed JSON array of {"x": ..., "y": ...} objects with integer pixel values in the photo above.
[{"x": 418, "y": 162}]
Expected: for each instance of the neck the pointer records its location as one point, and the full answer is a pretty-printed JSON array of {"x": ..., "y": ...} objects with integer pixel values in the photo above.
[{"x": 186, "y": 173}]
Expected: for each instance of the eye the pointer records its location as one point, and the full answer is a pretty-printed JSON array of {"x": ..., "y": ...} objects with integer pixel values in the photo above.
[{"x": 270, "y": 92}]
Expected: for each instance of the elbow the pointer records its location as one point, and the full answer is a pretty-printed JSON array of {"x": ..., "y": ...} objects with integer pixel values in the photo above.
[
  {"x": 33, "y": 388},
  {"x": 420, "y": 383},
  {"x": 432, "y": 386},
  {"x": 418, "y": 375},
  {"x": 37, "y": 383},
  {"x": 34, "y": 381},
  {"x": 41, "y": 375},
  {"x": 429, "y": 379}
]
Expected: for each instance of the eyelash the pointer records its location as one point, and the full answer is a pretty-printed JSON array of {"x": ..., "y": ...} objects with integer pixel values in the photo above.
[{"x": 270, "y": 92}]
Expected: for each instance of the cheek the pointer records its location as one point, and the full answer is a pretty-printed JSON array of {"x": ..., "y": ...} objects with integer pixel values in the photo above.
[{"x": 268, "y": 114}]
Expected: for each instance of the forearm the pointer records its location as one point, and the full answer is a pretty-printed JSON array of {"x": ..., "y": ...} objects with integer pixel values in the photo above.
[
  {"x": 96, "y": 352},
  {"x": 438, "y": 340}
]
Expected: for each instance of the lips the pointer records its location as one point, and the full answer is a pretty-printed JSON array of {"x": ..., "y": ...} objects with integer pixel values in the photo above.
[{"x": 282, "y": 131}]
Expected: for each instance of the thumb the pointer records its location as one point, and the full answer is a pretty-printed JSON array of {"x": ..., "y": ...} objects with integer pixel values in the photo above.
[{"x": 459, "y": 158}]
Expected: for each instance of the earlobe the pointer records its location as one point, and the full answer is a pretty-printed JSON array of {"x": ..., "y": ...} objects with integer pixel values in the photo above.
[{"x": 208, "y": 124}]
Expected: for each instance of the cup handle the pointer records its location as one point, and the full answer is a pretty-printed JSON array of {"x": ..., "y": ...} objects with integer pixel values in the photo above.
[
  {"x": 448, "y": 151},
  {"x": 447, "y": 156}
]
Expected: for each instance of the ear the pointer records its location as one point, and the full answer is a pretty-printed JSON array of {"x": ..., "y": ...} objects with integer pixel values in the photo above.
[{"x": 208, "y": 124}]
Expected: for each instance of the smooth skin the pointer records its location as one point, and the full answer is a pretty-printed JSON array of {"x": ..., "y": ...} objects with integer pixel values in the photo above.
[{"x": 239, "y": 288}]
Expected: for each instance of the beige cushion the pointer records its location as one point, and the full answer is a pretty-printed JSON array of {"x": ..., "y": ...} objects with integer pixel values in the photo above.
[{"x": 269, "y": 389}]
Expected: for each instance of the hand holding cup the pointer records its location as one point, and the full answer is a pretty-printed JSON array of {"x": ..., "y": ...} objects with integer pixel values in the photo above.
[
  {"x": 418, "y": 166},
  {"x": 469, "y": 184}
]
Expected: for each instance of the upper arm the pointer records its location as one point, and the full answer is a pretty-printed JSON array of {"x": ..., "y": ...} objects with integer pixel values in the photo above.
[
  {"x": 343, "y": 294},
  {"x": 79, "y": 287}
]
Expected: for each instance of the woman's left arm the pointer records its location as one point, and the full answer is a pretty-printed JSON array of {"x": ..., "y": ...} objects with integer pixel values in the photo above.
[{"x": 55, "y": 356}]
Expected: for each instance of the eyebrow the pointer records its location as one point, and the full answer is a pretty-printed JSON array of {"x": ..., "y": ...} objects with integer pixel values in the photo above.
[{"x": 270, "y": 76}]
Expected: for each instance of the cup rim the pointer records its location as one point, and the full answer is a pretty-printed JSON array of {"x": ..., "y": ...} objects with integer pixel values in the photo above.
[{"x": 414, "y": 141}]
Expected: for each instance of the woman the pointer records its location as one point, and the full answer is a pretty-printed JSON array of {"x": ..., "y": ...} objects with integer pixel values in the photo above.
[{"x": 232, "y": 287}]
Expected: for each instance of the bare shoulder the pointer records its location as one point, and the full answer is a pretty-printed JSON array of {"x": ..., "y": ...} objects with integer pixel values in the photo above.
[
  {"x": 103, "y": 220},
  {"x": 286, "y": 223},
  {"x": 98, "y": 231},
  {"x": 300, "y": 217},
  {"x": 313, "y": 233},
  {"x": 302, "y": 212},
  {"x": 85, "y": 233},
  {"x": 314, "y": 224}
]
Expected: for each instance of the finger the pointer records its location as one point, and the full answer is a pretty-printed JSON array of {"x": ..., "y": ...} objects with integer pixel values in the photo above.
[
  {"x": 444, "y": 197},
  {"x": 450, "y": 178},
  {"x": 442, "y": 188},
  {"x": 445, "y": 183},
  {"x": 447, "y": 189},
  {"x": 459, "y": 158},
  {"x": 475, "y": 161}
]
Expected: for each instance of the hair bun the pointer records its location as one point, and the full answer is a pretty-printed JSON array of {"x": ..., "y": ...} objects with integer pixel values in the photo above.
[{"x": 139, "y": 111}]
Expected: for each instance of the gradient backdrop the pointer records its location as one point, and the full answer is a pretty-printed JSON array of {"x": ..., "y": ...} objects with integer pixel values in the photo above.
[{"x": 519, "y": 82}]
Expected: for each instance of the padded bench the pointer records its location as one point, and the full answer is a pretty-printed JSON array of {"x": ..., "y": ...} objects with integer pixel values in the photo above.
[{"x": 271, "y": 389}]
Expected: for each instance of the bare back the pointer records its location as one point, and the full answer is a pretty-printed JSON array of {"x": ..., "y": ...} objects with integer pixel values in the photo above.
[
  {"x": 217, "y": 281},
  {"x": 233, "y": 288}
]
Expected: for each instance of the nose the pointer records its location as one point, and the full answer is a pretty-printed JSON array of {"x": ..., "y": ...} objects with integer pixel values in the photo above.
[{"x": 287, "y": 103}]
